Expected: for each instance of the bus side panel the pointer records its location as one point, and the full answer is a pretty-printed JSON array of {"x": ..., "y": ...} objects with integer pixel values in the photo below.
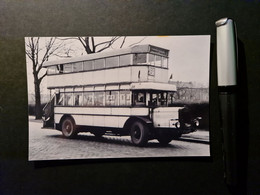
[
  {"x": 83, "y": 120},
  {"x": 139, "y": 73},
  {"x": 111, "y": 121},
  {"x": 111, "y": 75},
  {"x": 99, "y": 76},
  {"x": 124, "y": 74}
]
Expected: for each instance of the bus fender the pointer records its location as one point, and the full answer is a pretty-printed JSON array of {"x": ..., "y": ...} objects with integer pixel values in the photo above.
[
  {"x": 131, "y": 120},
  {"x": 144, "y": 119}
]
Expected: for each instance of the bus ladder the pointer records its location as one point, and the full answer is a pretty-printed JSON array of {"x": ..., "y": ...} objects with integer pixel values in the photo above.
[{"x": 48, "y": 114}]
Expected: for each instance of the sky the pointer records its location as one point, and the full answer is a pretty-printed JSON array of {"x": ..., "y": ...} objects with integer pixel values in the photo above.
[{"x": 189, "y": 56}]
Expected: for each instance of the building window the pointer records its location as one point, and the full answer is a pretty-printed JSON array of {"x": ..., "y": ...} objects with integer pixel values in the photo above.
[
  {"x": 112, "y": 62},
  {"x": 99, "y": 64},
  {"x": 125, "y": 60},
  {"x": 88, "y": 99},
  {"x": 139, "y": 58},
  {"x": 88, "y": 65}
]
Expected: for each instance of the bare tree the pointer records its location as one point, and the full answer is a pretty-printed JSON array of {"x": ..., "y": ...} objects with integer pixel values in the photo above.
[
  {"x": 38, "y": 55},
  {"x": 91, "y": 46}
]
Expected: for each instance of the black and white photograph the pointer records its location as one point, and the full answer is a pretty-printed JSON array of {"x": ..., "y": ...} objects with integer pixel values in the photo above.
[{"x": 118, "y": 97}]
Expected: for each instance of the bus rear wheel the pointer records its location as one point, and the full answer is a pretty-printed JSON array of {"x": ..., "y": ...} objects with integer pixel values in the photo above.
[
  {"x": 68, "y": 128},
  {"x": 139, "y": 133}
]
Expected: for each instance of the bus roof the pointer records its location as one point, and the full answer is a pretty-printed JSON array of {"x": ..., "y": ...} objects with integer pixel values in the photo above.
[
  {"x": 134, "y": 49},
  {"x": 153, "y": 86}
]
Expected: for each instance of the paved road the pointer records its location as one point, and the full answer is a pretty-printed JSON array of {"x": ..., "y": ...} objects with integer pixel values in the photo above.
[{"x": 48, "y": 144}]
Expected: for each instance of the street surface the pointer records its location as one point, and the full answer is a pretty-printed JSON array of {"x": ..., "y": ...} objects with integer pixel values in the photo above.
[{"x": 49, "y": 144}]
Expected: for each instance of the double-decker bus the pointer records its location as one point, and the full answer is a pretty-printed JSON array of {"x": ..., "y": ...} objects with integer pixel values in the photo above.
[{"x": 122, "y": 92}]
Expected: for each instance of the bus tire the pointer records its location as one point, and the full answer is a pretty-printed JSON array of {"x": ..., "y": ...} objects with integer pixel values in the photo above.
[
  {"x": 139, "y": 133},
  {"x": 68, "y": 128}
]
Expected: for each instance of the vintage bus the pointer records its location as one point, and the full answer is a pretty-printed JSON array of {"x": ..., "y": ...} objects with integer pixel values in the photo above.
[{"x": 122, "y": 92}]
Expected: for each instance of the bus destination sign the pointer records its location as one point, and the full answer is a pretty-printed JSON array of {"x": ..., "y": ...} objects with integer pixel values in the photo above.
[{"x": 157, "y": 50}]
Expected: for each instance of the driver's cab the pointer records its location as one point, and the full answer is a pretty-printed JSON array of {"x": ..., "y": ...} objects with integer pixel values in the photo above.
[{"x": 153, "y": 98}]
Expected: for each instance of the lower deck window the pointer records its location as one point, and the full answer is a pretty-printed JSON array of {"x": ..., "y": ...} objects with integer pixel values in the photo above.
[
  {"x": 68, "y": 99},
  {"x": 112, "y": 98},
  {"x": 78, "y": 99},
  {"x": 88, "y": 99},
  {"x": 99, "y": 99}
]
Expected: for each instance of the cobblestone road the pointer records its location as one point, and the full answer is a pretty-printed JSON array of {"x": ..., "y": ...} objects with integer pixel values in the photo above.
[{"x": 48, "y": 144}]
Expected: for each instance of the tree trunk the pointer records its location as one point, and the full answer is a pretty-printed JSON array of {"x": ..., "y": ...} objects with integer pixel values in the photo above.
[{"x": 38, "y": 109}]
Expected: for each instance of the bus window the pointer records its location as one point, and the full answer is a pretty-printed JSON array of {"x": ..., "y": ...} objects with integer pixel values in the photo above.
[
  {"x": 99, "y": 64},
  {"x": 59, "y": 99},
  {"x": 52, "y": 70},
  {"x": 163, "y": 98},
  {"x": 158, "y": 61},
  {"x": 158, "y": 99},
  {"x": 154, "y": 100},
  {"x": 67, "y": 68},
  {"x": 125, "y": 60},
  {"x": 172, "y": 97},
  {"x": 88, "y": 65},
  {"x": 77, "y": 67},
  {"x": 112, "y": 62},
  {"x": 112, "y": 98},
  {"x": 88, "y": 99},
  {"x": 68, "y": 99},
  {"x": 99, "y": 99},
  {"x": 151, "y": 59},
  {"x": 78, "y": 99},
  {"x": 139, "y": 98},
  {"x": 139, "y": 58},
  {"x": 164, "y": 62},
  {"x": 125, "y": 98}
]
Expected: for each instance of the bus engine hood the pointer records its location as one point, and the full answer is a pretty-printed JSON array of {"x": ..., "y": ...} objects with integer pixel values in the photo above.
[{"x": 166, "y": 117}]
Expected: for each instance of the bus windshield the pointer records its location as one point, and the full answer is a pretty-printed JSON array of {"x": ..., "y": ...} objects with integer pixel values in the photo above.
[{"x": 153, "y": 98}]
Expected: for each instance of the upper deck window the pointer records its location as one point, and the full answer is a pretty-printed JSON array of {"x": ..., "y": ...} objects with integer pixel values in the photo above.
[
  {"x": 164, "y": 62},
  {"x": 151, "y": 59},
  {"x": 139, "y": 58},
  {"x": 88, "y": 65},
  {"x": 125, "y": 60},
  {"x": 52, "y": 70},
  {"x": 99, "y": 64},
  {"x": 77, "y": 67},
  {"x": 112, "y": 62},
  {"x": 67, "y": 68},
  {"x": 158, "y": 61}
]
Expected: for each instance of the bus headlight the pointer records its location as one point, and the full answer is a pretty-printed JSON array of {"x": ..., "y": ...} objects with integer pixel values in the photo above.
[
  {"x": 177, "y": 125},
  {"x": 197, "y": 123}
]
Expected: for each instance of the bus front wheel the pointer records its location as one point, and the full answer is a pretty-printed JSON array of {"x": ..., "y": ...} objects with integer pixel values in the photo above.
[
  {"x": 68, "y": 128},
  {"x": 139, "y": 133}
]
